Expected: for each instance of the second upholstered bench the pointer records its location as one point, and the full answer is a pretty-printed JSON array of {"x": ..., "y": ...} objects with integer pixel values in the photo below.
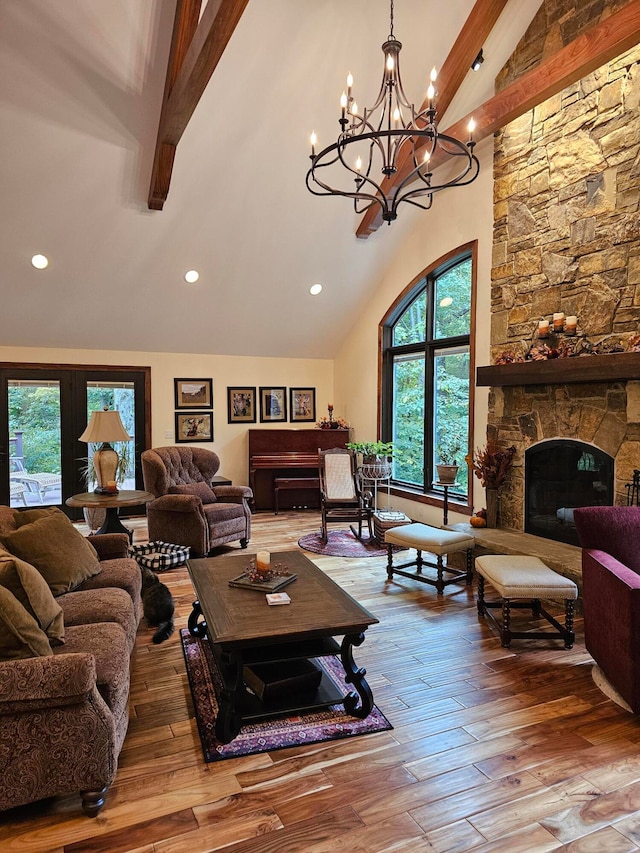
[{"x": 528, "y": 580}]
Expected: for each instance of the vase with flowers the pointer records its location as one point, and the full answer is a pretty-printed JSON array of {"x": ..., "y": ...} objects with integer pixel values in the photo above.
[
  {"x": 491, "y": 465},
  {"x": 331, "y": 422}
]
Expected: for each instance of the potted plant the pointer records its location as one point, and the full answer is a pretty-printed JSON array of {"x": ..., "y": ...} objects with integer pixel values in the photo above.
[
  {"x": 449, "y": 450},
  {"x": 376, "y": 458},
  {"x": 491, "y": 465}
]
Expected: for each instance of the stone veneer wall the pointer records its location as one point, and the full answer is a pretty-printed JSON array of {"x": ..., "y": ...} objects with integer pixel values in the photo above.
[{"x": 567, "y": 238}]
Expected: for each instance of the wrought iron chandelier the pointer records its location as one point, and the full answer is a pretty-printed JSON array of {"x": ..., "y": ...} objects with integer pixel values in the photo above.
[{"x": 375, "y": 142}]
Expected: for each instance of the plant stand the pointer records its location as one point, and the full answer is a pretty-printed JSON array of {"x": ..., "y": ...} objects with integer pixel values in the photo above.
[
  {"x": 445, "y": 507},
  {"x": 375, "y": 472}
]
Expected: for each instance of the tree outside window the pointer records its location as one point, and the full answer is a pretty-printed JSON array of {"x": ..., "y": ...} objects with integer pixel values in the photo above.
[{"x": 426, "y": 387}]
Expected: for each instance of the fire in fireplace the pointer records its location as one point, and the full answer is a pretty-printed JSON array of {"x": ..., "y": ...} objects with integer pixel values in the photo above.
[{"x": 560, "y": 475}]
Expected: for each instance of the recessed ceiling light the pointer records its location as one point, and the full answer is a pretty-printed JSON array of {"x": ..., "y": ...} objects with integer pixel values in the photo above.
[
  {"x": 192, "y": 276},
  {"x": 315, "y": 289},
  {"x": 40, "y": 262},
  {"x": 444, "y": 303}
]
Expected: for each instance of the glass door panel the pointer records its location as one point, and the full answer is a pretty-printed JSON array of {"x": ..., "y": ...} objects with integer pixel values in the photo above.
[
  {"x": 121, "y": 397},
  {"x": 43, "y": 412},
  {"x": 35, "y": 454}
]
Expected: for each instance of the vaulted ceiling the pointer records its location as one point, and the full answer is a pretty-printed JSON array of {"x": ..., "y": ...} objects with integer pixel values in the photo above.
[{"x": 86, "y": 156}]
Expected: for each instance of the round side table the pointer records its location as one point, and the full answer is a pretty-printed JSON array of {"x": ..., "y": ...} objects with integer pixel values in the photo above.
[{"x": 112, "y": 503}]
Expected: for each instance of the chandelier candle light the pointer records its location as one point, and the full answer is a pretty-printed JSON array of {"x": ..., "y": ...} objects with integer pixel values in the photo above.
[
  {"x": 376, "y": 139},
  {"x": 105, "y": 427}
]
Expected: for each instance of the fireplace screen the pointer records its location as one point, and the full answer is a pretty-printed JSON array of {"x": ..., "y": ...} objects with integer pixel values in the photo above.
[{"x": 560, "y": 475}]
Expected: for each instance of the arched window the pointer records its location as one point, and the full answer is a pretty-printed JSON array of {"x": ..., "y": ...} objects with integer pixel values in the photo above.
[{"x": 427, "y": 367}]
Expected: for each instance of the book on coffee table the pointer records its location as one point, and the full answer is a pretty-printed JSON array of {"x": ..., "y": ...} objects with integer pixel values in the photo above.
[{"x": 272, "y": 585}]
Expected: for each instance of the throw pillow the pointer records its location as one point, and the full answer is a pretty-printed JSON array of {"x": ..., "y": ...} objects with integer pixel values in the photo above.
[
  {"x": 29, "y": 515},
  {"x": 57, "y": 549},
  {"x": 200, "y": 490},
  {"x": 29, "y": 587},
  {"x": 20, "y": 634}
]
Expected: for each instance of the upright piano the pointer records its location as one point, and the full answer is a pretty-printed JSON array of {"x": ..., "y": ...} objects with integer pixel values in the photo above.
[{"x": 293, "y": 453}]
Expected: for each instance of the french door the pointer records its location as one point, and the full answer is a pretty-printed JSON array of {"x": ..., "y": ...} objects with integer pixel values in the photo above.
[{"x": 43, "y": 411}]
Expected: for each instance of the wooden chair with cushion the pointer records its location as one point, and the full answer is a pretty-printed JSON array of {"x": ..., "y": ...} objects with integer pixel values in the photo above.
[{"x": 340, "y": 496}]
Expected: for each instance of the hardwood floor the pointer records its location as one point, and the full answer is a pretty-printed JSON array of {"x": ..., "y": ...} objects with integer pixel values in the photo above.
[{"x": 492, "y": 749}]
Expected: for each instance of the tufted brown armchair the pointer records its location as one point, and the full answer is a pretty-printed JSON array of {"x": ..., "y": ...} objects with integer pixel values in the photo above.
[{"x": 187, "y": 509}]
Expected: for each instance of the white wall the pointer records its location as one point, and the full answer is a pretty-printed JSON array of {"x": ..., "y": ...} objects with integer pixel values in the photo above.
[
  {"x": 230, "y": 440},
  {"x": 458, "y": 216}
]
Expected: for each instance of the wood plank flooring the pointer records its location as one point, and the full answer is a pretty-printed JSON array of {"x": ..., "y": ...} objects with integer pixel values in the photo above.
[{"x": 492, "y": 749}]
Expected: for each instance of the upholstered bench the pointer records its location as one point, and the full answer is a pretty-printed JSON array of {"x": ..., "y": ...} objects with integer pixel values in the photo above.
[
  {"x": 422, "y": 537},
  {"x": 528, "y": 578}
]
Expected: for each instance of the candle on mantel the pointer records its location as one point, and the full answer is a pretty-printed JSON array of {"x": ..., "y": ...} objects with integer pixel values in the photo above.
[
  {"x": 570, "y": 325},
  {"x": 543, "y": 329},
  {"x": 263, "y": 562},
  {"x": 558, "y": 321}
]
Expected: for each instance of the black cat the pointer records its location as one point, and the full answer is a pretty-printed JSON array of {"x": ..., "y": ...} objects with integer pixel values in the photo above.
[{"x": 157, "y": 605}]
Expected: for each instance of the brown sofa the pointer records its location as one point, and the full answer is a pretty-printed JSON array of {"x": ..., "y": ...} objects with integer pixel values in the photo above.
[
  {"x": 189, "y": 510},
  {"x": 64, "y": 699}
]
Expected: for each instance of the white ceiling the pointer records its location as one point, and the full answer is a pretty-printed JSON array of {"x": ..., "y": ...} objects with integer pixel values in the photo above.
[{"x": 81, "y": 85}]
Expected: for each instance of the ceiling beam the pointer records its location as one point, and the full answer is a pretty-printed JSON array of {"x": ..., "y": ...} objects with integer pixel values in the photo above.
[
  {"x": 597, "y": 46},
  {"x": 467, "y": 46},
  {"x": 196, "y": 48}
]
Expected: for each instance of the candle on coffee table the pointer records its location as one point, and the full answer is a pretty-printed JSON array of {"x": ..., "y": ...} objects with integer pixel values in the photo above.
[{"x": 263, "y": 562}]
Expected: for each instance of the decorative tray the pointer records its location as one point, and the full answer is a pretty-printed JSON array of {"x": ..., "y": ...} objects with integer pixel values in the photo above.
[{"x": 270, "y": 581}]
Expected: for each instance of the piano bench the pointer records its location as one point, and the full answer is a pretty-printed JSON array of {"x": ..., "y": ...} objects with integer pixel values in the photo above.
[{"x": 293, "y": 483}]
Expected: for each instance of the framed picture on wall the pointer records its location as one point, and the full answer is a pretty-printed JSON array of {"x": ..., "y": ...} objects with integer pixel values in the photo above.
[
  {"x": 302, "y": 404},
  {"x": 241, "y": 405},
  {"x": 194, "y": 426},
  {"x": 273, "y": 404},
  {"x": 193, "y": 393}
]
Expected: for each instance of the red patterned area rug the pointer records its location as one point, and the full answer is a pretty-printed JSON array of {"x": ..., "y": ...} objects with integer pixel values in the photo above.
[
  {"x": 324, "y": 725},
  {"x": 342, "y": 543}
]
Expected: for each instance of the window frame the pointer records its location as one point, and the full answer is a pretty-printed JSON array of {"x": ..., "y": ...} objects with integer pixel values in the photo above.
[{"x": 387, "y": 351}]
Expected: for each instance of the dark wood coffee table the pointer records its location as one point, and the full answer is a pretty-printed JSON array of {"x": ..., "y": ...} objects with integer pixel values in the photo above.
[{"x": 244, "y": 630}]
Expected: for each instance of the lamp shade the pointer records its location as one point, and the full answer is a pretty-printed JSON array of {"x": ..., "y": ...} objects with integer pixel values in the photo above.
[{"x": 104, "y": 426}]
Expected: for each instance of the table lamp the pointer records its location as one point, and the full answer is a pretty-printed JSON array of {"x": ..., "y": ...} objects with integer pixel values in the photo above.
[{"x": 105, "y": 427}]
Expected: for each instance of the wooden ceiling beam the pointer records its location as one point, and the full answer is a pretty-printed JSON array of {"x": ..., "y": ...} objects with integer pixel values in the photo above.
[
  {"x": 467, "y": 46},
  {"x": 600, "y": 44},
  {"x": 196, "y": 48}
]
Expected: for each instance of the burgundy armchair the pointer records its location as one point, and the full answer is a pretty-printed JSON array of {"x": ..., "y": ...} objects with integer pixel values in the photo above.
[
  {"x": 610, "y": 539},
  {"x": 188, "y": 510}
]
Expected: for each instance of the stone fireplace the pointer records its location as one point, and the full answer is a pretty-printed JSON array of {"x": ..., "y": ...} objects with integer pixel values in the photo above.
[
  {"x": 588, "y": 400},
  {"x": 567, "y": 239}
]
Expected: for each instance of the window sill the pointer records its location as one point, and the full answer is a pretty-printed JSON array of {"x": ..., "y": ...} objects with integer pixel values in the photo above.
[{"x": 432, "y": 499}]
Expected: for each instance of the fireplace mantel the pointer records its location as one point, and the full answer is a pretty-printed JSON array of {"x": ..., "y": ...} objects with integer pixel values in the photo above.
[{"x": 613, "y": 367}]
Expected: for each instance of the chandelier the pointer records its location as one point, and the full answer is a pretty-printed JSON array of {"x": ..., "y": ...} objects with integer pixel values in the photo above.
[{"x": 375, "y": 143}]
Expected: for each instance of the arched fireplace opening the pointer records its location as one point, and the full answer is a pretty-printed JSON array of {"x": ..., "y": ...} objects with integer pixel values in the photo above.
[{"x": 560, "y": 475}]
